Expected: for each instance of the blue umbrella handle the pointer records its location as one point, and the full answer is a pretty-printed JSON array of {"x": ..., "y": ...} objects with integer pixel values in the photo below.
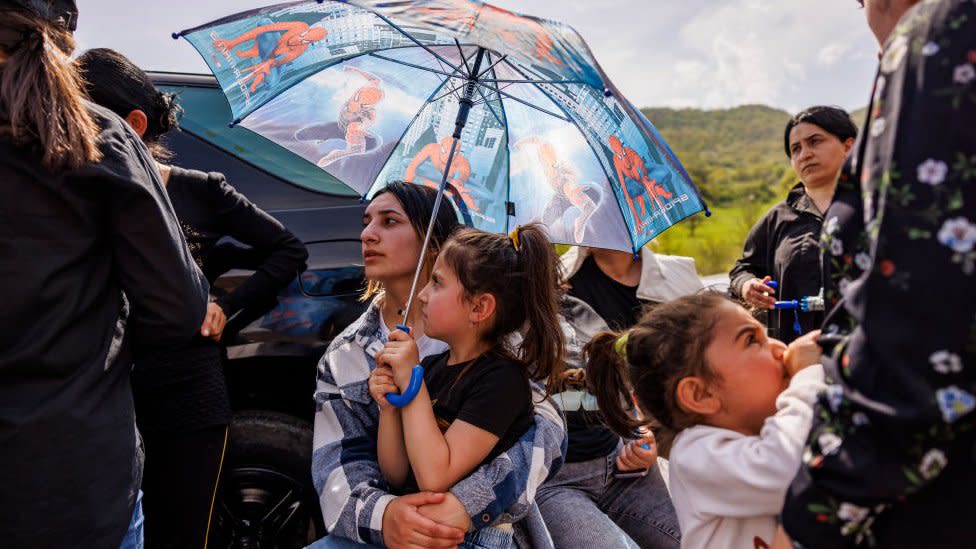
[
  {"x": 404, "y": 398},
  {"x": 416, "y": 380}
]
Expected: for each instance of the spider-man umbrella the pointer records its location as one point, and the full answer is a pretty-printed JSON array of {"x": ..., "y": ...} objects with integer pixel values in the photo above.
[{"x": 510, "y": 114}]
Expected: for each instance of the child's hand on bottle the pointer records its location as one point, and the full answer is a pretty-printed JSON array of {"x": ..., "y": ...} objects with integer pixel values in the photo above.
[
  {"x": 380, "y": 383},
  {"x": 803, "y": 352},
  {"x": 400, "y": 354}
]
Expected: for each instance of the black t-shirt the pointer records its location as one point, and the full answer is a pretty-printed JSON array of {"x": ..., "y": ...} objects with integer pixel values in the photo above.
[
  {"x": 616, "y": 303},
  {"x": 493, "y": 394},
  {"x": 589, "y": 438}
]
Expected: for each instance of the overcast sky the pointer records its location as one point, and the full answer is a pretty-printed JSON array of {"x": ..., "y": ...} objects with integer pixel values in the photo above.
[{"x": 677, "y": 53}]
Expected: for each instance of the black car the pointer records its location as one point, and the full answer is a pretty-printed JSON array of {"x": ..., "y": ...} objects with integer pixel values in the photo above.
[{"x": 266, "y": 497}]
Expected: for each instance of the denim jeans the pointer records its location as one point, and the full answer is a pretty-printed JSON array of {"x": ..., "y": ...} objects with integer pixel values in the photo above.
[
  {"x": 335, "y": 542},
  {"x": 488, "y": 538},
  {"x": 133, "y": 537},
  {"x": 584, "y": 506}
]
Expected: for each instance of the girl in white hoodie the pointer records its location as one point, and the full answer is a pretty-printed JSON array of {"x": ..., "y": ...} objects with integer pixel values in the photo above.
[{"x": 740, "y": 403}]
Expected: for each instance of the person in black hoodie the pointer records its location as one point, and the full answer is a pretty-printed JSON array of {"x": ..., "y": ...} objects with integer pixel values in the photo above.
[
  {"x": 784, "y": 244},
  {"x": 93, "y": 269},
  {"x": 182, "y": 403}
]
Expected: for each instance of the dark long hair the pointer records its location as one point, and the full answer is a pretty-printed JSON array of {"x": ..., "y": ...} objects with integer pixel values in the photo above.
[
  {"x": 665, "y": 346},
  {"x": 418, "y": 204},
  {"x": 42, "y": 103},
  {"x": 524, "y": 282},
  {"x": 833, "y": 120},
  {"x": 116, "y": 83}
]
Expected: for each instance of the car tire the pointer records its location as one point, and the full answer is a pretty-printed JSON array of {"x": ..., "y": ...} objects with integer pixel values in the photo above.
[{"x": 266, "y": 499}]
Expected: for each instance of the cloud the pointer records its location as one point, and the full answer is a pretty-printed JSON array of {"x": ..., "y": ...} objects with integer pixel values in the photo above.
[
  {"x": 750, "y": 51},
  {"x": 688, "y": 53},
  {"x": 708, "y": 54},
  {"x": 832, "y": 53}
]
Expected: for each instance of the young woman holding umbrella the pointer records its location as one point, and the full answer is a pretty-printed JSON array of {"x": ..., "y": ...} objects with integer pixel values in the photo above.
[{"x": 357, "y": 508}]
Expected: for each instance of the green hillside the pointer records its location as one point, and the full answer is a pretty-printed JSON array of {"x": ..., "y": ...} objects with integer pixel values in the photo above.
[{"x": 736, "y": 158}]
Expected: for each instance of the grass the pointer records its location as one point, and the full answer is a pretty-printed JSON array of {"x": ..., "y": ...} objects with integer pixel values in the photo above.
[{"x": 715, "y": 242}]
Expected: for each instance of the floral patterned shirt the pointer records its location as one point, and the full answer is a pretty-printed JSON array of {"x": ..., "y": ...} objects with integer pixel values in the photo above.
[{"x": 890, "y": 458}]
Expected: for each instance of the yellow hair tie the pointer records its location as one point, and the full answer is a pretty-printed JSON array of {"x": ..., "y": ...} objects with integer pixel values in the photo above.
[
  {"x": 620, "y": 346},
  {"x": 514, "y": 237}
]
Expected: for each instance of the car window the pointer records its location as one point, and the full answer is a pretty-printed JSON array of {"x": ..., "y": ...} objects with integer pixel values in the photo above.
[{"x": 206, "y": 116}]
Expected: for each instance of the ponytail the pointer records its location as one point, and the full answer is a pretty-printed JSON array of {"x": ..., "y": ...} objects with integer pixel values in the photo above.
[
  {"x": 116, "y": 83},
  {"x": 607, "y": 379},
  {"x": 41, "y": 98},
  {"x": 542, "y": 345},
  {"x": 665, "y": 346},
  {"x": 522, "y": 273}
]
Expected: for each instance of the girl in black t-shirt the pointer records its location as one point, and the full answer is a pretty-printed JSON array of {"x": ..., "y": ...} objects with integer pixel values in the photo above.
[{"x": 476, "y": 399}]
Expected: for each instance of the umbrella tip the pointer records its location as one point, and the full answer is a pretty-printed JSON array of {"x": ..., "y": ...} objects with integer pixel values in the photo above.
[
  {"x": 176, "y": 35},
  {"x": 607, "y": 92},
  {"x": 362, "y": 199}
]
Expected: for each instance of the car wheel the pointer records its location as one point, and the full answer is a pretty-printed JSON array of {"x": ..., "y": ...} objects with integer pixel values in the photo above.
[{"x": 266, "y": 499}]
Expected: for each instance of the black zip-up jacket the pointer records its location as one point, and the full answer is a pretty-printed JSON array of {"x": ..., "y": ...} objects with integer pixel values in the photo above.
[
  {"x": 183, "y": 389},
  {"x": 70, "y": 244},
  {"x": 785, "y": 245},
  {"x": 209, "y": 209}
]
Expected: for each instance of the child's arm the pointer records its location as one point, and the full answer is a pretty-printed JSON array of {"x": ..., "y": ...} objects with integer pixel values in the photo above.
[
  {"x": 728, "y": 474},
  {"x": 438, "y": 460},
  {"x": 390, "y": 450}
]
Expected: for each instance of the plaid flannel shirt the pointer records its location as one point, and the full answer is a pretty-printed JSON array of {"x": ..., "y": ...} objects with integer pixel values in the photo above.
[{"x": 352, "y": 492}]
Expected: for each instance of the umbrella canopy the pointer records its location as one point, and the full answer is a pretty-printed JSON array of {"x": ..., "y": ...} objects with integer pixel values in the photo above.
[{"x": 511, "y": 114}]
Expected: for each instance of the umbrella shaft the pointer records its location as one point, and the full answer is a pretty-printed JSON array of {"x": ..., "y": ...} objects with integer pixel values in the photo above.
[
  {"x": 430, "y": 229},
  {"x": 466, "y": 103}
]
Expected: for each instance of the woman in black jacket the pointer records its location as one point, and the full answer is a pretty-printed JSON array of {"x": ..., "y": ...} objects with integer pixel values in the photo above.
[
  {"x": 83, "y": 218},
  {"x": 784, "y": 244},
  {"x": 182, "y": 405}
]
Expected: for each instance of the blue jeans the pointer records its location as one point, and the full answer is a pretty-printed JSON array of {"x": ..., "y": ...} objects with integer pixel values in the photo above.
[
  {"x": 584, "y": 506},
  {"x": 489, "y": 538},
  {"x": 335, "y": 542},
  {"x": 133, "y": 537}
]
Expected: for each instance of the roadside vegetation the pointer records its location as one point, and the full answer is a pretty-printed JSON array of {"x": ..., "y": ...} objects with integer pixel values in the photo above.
[{"x": 736, "y": 158}]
